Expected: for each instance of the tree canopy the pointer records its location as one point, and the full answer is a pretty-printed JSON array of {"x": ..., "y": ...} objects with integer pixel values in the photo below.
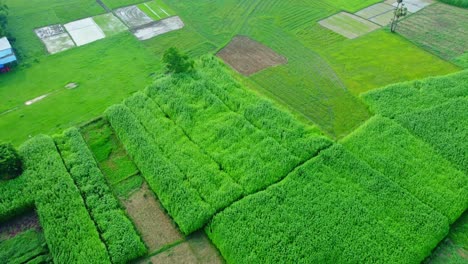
[
  {"x": 10, "y": 162},
  {"x": 176, "y": 61}
]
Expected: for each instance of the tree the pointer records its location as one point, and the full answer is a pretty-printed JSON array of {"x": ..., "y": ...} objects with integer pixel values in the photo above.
[
  {"x": 10, "y": 162},
  {"x": 176, "y": 61},
  {"x": 3, "y": 19},
  {"x": 400, "y": 11}
]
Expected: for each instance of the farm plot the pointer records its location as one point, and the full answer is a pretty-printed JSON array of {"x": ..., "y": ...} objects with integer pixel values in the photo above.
[
  {"x": 415, "y": 166},
  {"x": 440, "y": 29},
  {"x": 157, "y": 28},
  {"x": 84, "y": 31},
  {"x": 55, "y": 38},
  {"x": 133, "y": 16},
  {"x": 27, "y": 247},
  {"x": 348, "y": 25},
  {"x": 156, "y": 9},
  {"x": 367, "y": 217},
  {"x": 380, "y": 13},
  {"x": 433, "y": 109},
  {"x": 109, "y": 24},
  {"x": 412, "y": 5},
  {"x": 248, "y": 56}
]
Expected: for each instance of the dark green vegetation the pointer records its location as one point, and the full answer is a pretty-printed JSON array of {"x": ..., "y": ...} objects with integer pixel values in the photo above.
[
  {"x": 440, "y": 29},
  {"x": 434, "y": 109},
  {"x": 177, "y": 62},
  {"x": 122, "y": 241},
  {"x": 10, "y": 162},
  {"x": 3, "y": 19},
  {"x": 28, "y": 247},
  {"x": 364, "y": 219},
  {"x": 461, "y": 3},
  {"x": 413, "y": 165}
]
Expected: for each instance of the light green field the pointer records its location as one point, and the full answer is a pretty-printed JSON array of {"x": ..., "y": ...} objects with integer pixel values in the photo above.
[
  {"x": 156, "y": 9},
  {"x": 109, "y": 24}
]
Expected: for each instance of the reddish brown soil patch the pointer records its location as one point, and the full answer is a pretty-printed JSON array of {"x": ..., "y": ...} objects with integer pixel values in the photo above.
[
  {"x": 248, "y": 56},
  {"x": 197, "y": 249},
  {"x": 155, "y": 226},
  {"x": 19, "y": 224}
]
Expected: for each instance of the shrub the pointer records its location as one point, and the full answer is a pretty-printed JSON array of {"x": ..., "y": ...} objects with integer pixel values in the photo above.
[
  {"x": 10, "y": 162},
  {"x": 176, "y": 61},
  {"x": 460, "y": 3}
]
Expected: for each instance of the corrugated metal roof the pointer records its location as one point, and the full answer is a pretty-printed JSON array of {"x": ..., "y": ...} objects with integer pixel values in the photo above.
[
  {"x": 8, "y": 59},
  {"x": 4, "y": 44}
]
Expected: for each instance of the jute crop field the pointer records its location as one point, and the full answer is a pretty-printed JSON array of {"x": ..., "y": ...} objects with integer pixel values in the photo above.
[{"x": 286, "y": 143}]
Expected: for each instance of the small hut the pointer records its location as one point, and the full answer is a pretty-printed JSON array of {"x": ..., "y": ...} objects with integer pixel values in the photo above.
[{"x": 7, "y": 56}]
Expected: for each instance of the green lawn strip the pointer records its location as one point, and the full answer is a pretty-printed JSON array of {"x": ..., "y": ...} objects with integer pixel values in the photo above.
[
  {"x": 109, "y": 24},
  {"x": 69, "y": 230},
  {"x": 105, "y": 73},
  {"x": 214, "y": 185},
  {"x": 415, "y": 166},
  {"x": 125, "y": 188},
  {"x": 334, "y": 208},
  {"x": 122, "y": 240},
  {"x": 114, "y": 4},
  {"x": 156, "y": 9},
  {"x": 109, "y": 152},
  {"x": 174, "y": 191},
  {"x": 24, "y": 247}
]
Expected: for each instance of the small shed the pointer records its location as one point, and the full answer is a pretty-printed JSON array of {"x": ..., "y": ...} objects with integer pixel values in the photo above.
[{"x": 6, "y": 53}]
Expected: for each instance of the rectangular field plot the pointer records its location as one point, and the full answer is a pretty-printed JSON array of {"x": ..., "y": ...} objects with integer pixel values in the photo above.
[
  {"x": 156, "y": 9},
  {"x": 109, "y": 24},
  {"x": 84, "y": 31},
  {"x": 334, "y": 208},
  {"x": 133, "y": 16},
  {"x": 348, "y": 25},
  {"x": 158, "y": 28},
  {"x": 415, "y": 5},
  {"x": 55, "y": 38},
  {"x": 374, "y": 10},
  {"x": 440, "y": 28},
  {"x": 248, "y": 56}
]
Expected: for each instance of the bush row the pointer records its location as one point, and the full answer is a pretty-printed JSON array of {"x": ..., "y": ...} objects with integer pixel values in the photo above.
[
  {"x": 117, "y": 231},
  {"x": 172, "y": 187},
  {"x": 333, "y": 209},
  {"x": 302, "y": 141},
  {"x": 412, "y": 164},
  {"x": 13, "y": 197},
  {"x": 214, "y": 186},
  {"x": 68, "y": 228},
  {"x": 249, "y": 155}
]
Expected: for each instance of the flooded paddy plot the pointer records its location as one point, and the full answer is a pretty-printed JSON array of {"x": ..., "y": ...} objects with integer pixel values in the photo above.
[
  {"x": 133, "y": 16},
  {"x": 248, "y": 56},
  {"x": 158, "y": 28},
  {"x": 109, "y": 24},
  {"x": 84, "y": 31},
  {"x": 349, "y": 25},
  {"x": 413, "y": 5},
  {"x": 440, "y": 28},
  {"x": 55, "y": 38}
]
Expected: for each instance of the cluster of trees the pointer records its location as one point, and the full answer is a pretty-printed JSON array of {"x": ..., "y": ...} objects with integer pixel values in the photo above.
[
  {"x": 334, "y": 208},
  {"x": 412, "y": 164},
  {"x": 117, "y": 231},
  {"x": 174, "y": 190}
]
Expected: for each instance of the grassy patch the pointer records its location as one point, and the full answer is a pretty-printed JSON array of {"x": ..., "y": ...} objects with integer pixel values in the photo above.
[
  {"x": 108, "y": 151},
  {"x": 114, "y": 4},
  {"x": 105, "y": 72},
  {"x": 127, "y": 187},
  {"x": 156, "y": 9},
  {"x": 109, "y": 24},
  {"x": 27, "y": 247}
]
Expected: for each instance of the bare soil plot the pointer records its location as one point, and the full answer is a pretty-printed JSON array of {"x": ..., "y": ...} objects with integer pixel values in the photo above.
[
  {"x": 158, "y": 28},
  {"x": 109, "y": 24},
  {"x": 55, "y": 38},
  {"x": 197, "y": 249},
  {"x": 84, "y": 31},
  {"x": 349, "y": 25},
  {"x": 414, "y": 5},
  {"x": 155, "y": 226},
  {"x": 441, "y": 29},
  {"x": 19, "y": 224},
  {"x": 133, "y": 16},
  {"x": 248, "y": 56}
]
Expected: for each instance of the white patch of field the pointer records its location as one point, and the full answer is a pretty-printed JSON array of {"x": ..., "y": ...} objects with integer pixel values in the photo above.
[
  {"x": 415, "y": 5},
  {"x": 159, "y": 28},
  {"x": 348, "y": 25},
  {"x": 109, "y": 24},
  {"x": 55, "y": 38},
  {"x": 375, "y": 10},
  {"x": 35, "y": 100},
  {"x": 84, "y": 31},
  {"x": 133, "y": 16}
]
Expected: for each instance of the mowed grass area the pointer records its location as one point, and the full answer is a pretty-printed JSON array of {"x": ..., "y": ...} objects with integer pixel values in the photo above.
[
  {"x": 26, "y": 15},
  {"x": 106, "y": 72}
]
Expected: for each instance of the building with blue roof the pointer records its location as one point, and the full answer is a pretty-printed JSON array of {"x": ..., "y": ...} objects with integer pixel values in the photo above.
[{"x": 7, "y": 55}]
